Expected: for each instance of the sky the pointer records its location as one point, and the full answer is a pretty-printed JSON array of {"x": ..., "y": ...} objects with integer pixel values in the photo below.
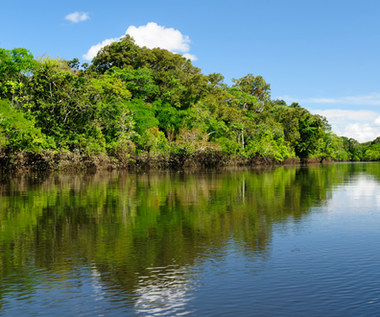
[{"x": 325, "y": 55}]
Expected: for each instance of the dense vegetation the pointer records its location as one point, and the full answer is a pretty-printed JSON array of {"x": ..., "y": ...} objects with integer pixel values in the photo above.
[{"x": 135, "y": 105}]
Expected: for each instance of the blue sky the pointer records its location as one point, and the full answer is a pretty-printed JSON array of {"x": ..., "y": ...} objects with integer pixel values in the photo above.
[{"x": 323, "y": 54}]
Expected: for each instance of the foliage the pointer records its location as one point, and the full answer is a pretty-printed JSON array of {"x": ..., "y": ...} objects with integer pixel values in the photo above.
[
  {"x": 372, "y": 153},
  {"x": 133, "y": 100},
  {"x": 17, "y": 133}
]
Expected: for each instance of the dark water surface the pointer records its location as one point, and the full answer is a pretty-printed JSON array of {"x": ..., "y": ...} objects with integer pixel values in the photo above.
[{"x": 281, "y": 242}]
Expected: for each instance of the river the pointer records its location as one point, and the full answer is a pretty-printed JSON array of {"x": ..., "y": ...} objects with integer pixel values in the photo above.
[{"x": 284, "y": 241}]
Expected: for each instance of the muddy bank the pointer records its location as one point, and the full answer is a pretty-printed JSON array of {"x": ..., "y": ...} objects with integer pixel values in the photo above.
[{"x": 72, "y": 161}]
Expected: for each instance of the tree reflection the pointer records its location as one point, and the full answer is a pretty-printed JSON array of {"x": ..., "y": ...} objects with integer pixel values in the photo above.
[{"x": 140, "y": 233}]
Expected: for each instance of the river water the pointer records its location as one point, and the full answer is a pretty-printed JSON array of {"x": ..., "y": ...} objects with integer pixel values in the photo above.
[{"x": 286, "y": 241}]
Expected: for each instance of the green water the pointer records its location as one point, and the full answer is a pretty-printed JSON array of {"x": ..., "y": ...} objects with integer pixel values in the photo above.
[{"x": 284, "y": 241}]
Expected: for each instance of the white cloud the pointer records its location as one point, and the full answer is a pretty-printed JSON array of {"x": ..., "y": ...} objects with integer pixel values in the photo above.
[
  {"x": 77, "y": 17},
  {"x": 97, "y": 47},
  {"x": 362, "y": 125},
  {"x": 362, "y": 131},
  {"x": 190, "y": 56},
  {"x": 151, "y": 35},
  {"x": 364, "y": 100},
  {"x": 343, "y": 115}
]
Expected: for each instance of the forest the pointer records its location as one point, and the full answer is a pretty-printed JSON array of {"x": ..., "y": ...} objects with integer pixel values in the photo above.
[{"x": 139, "y": 107}]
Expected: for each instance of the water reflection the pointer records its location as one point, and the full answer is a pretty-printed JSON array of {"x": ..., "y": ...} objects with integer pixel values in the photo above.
[
  {"x": 131, "y": 242},
  {"x": 168, "y": 293}
]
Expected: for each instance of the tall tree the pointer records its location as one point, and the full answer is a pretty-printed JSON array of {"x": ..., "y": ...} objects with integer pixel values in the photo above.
[{"x": 255, "y": 86}]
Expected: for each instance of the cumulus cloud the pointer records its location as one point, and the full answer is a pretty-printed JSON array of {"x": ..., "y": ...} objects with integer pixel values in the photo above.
[
  {"x": 97, "y": 47},
  {"x": 362, "y": 131},
  {"x": 190, "y": 56},
  {"x": 362, "y": 125},
  {"x": 77, "y": 17},
  {"x": 151, "y": 35}
]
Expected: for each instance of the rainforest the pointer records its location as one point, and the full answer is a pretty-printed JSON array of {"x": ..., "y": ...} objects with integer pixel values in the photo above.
[{"x": 139, "y": 107}]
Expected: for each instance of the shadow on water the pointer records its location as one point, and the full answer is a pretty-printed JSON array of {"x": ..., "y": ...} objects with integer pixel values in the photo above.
[{"x": 136, "y": 231}]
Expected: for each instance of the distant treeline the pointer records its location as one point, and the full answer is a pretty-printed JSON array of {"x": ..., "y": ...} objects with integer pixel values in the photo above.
[{"x": 135, "y": 106}]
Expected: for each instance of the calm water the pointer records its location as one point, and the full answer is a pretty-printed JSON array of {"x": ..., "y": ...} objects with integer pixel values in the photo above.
[{"x": 280, "y": 242}]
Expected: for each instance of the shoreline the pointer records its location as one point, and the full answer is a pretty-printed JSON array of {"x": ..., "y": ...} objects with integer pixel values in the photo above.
[{"x": 49, "y": 161}]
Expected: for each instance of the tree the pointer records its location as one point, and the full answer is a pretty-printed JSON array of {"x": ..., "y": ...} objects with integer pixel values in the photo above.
[
  {"x": 177, "y": 81},
  {"x": 140, "y": 82},
  {"x": 15, "y": 67},
  {"x": 118, "y": 54},
  {"x": 311, "y": 129},
  {"x": 15, "y": 63},
  {"x": 18, "y": 133},
  {"x": 255, "y": 86}
]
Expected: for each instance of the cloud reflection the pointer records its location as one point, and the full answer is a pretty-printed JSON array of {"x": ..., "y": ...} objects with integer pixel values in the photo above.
[{"x": 165, "y": 291}]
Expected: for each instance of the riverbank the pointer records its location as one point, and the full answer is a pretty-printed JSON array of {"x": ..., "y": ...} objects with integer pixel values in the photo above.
[{"x": 76, "y": 161}]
